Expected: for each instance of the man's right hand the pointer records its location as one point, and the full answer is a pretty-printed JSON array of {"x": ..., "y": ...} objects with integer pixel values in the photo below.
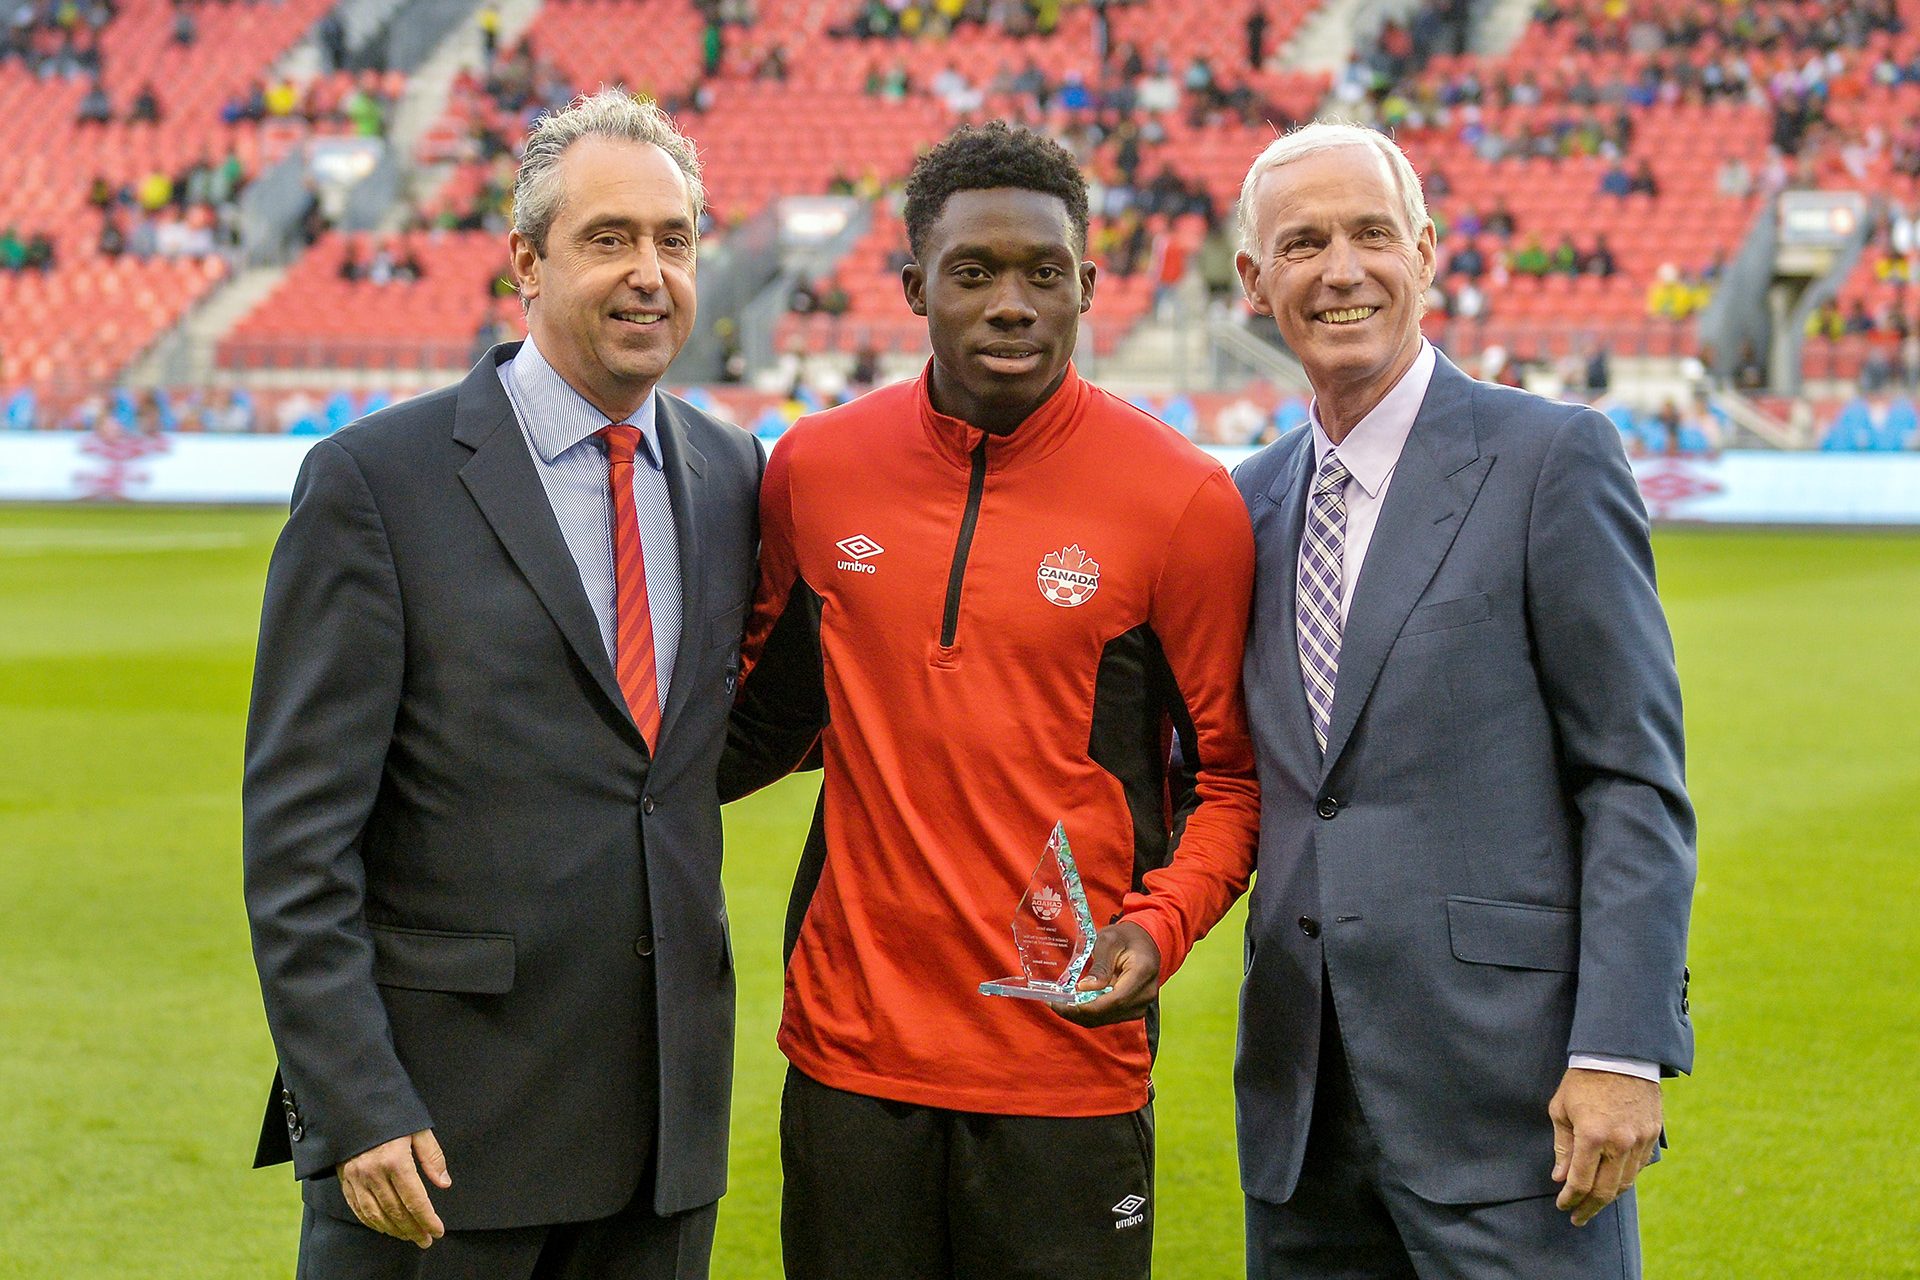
[{"x": 384, "y": 1190}]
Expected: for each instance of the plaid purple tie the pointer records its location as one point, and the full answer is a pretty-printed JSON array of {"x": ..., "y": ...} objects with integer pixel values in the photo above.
[{"x": 1323, "y": 548}]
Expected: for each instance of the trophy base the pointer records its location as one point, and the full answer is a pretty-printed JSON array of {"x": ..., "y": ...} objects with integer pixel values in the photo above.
[{"x": 1027, "y": 989}]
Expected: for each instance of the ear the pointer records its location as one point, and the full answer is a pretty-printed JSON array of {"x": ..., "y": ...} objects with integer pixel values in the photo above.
[
  {"x": 913, "y": 282},
  {"x": 525, "y": 262},
  {"x": 1088, "y": 272},
  {"x": 1250, "y": 282},
  {"x": 1428, "y": 247}
]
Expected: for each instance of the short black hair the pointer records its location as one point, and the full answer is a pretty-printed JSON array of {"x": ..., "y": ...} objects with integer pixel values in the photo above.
[{"x": 995, "y": 154}]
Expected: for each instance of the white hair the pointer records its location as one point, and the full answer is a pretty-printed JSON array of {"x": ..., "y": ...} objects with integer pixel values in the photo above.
[
  {"x": 610, "y": 113},
  {"x": 1325, "y": 135}
]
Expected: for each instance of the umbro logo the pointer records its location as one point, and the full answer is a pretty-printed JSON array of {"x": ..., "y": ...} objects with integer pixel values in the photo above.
[
  {"x": 1129, "y": 1211},
  {"x": 858, "y": 549}
]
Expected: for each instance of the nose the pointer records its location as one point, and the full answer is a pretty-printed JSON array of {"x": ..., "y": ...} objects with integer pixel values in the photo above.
[
  {"x": 643, "y": 272},
  {"x": 1009, "y": 307},
  {"x": 1340, "y": 265}
]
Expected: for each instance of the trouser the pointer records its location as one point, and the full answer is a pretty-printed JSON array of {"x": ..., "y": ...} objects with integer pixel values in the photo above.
[
  {"x": 633, "y": 1244},
  {"x": 1350, "y": 1220},
  {"x": 890, "y": 1189}
]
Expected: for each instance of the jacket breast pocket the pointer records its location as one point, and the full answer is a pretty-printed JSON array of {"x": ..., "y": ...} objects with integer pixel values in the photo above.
[
  {"x": 1443, "y": 615},
  {"x": 1517, "y": 935},
  {"x": 439, "y": 960}
]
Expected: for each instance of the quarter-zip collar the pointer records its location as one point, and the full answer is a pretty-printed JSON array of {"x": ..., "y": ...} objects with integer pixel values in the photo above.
[{"x": 1044, "y": 430}]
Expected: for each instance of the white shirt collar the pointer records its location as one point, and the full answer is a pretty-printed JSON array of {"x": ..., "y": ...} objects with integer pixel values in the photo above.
[
  {"x": 557, "y": 417},
  {"x": 1372, "y": 449}
]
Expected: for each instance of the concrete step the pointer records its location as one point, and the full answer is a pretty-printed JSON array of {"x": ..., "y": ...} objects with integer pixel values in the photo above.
[{"x": 186, "y": 353}]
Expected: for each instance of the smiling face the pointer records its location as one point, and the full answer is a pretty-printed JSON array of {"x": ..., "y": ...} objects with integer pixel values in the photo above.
[
  {"x": 1342, "y": 274},
  {"x": 1002, "y": 287},
  {"x": 611, "y": 300}
]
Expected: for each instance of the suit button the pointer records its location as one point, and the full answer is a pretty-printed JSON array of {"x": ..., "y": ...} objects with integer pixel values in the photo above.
[
  {"x": 1310, "y": 926},
  {"x": 1327, "y": 807},
  {"x": 647, "y": 804},
  {"x": 643, "y": 945}
]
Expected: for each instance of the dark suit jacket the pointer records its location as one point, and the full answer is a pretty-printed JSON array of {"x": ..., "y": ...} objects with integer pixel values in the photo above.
[
  {"x": 457, "y": 847},
  {"x": 1494, "y": 861}
]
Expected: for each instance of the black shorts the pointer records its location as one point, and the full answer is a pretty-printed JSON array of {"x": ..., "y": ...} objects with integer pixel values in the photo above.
[{"x": 879, "y": 1190}]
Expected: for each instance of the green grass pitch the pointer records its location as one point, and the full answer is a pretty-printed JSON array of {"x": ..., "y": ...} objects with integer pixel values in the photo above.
[{"x": 134, "y": 1060}]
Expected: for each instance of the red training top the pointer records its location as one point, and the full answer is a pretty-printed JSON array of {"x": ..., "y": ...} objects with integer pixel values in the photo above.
[{"x": 997, "y": 633}]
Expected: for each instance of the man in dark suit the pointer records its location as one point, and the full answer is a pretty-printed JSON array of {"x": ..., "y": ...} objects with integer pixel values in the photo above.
[
  {"x": 499, "y": 642},
  {"x": 1466, "y": 950}
]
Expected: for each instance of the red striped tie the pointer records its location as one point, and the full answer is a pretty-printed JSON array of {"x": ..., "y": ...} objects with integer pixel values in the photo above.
[{"x": 633, "y": 620}]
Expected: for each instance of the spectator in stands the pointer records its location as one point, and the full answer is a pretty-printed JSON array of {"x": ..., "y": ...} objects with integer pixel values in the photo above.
[
  {"x": 1257, "y": 22},
  {"x": 13, "y": 250},
  {"x": 1565, "y": 258},
  {"x": 1601, "y": 261},
  {"x": 1599, "y": 372},
  {"x": 1532, "y": 260},
  {"x": 95, "y": 106},
  {"x": 146, "y": 106},
  {"x": 1644, "y": 183},
  {"x": 1499, "y": 220},
  {"x": 113, "y": 240},
  {"x": 1858, "y": 319},
  {"x": 1467, "y": 261},
  {"x": 185, "y": 29},
  {"x": 1616, "y": 181}
]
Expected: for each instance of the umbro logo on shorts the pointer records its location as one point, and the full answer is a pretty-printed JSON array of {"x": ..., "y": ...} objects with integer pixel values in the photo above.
[{"x": 1129, "y": 1211}]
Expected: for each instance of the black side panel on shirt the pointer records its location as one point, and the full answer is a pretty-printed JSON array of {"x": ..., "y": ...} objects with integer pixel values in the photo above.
[
  {"x": 806, "y": 877},
  {"x": 782, "y": 705},
  {"x": 1134, "y": 695}
]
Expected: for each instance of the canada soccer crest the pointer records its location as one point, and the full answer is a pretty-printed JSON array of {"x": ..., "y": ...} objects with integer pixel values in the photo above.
[
  {"x": 1047, "y": 903},
  {"x": 1069, "y": 577}
]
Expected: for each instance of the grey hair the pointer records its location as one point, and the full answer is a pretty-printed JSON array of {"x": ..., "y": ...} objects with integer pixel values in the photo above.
[
  {"x": 1325, "y": 135},
  {"x": 610, "y": 113}
]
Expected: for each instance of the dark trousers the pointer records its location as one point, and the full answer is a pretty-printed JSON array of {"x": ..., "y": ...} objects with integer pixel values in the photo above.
[
  {"x": 634, "y": 1244},
  {"x": 1350, "y": 1220},
  {"x": 879, "y": 1190}
]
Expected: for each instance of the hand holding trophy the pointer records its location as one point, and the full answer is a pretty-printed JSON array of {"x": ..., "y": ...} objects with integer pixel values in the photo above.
[{"x": 1052, "y": 931}]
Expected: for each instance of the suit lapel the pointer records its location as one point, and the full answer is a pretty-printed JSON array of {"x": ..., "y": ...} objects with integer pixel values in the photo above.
[
  {"x": 1280, "y": 649},
  {"x": 507, "y": 489},
  {"x": 684, "y": 467},
  {"x": 1434, "y": 483}
]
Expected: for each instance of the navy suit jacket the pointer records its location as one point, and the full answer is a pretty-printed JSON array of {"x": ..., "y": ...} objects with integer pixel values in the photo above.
[
  {"x": 1493, "y": 863},
  {"x": 478, "y": 903}
]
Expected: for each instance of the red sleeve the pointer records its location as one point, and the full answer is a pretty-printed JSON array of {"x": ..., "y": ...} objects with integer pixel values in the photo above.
[{"x": 1199, "y": 614}]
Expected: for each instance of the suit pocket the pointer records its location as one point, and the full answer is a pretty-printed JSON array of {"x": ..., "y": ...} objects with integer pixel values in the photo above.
[
  {"x": 729, "y": 625},
  {"x": 1518, "y": 935},
  {"x": 437, "y": 960},
  {"x": 1443, "y": 615}
]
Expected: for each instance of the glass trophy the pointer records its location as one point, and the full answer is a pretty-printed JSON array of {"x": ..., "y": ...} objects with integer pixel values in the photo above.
[{"x": 1052, "y": 931}]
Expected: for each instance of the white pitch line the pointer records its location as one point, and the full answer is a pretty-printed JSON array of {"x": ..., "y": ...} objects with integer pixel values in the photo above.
[{"x": 38, "y": 542}]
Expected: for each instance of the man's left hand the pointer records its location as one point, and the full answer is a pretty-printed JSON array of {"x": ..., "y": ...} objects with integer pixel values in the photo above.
[
  {"x": 1605, "y": 1126},
  {"x": 1126, "y": 958}
]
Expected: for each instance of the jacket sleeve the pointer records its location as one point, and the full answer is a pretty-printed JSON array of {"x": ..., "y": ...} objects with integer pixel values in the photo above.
[
  {"x": 781, "y": 706},
  {"x": 326, "y": 692},
  {"x": 1199, "y": 614},
  {"x": 1606, "y": 665}
]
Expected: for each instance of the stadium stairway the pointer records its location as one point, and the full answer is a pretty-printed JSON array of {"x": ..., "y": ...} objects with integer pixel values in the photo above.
[
  {"x": 430, "y": 89},
  {"x": 1327, "y": 37},
  {"x": 184, "y": 355}
]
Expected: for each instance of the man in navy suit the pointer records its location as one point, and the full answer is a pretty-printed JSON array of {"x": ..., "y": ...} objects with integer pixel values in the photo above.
[{"x": 1466, "y": 951}]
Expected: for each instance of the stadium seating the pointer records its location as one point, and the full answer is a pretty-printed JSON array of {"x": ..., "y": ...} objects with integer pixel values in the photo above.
[{"x": 92, "y": 314}]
